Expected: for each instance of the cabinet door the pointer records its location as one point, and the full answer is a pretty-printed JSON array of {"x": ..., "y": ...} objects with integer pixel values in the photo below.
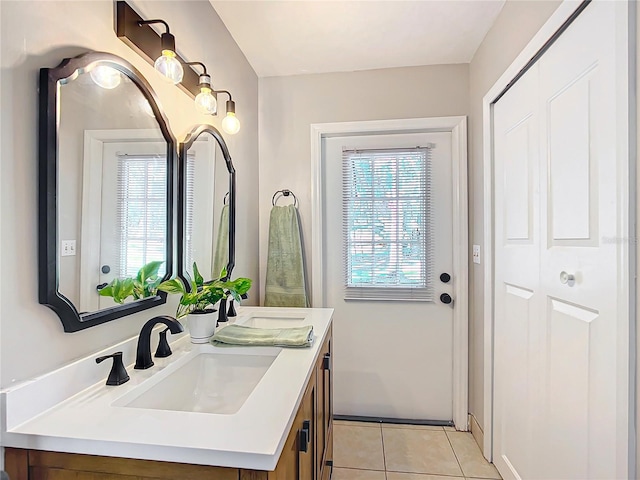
[
  {"x": 324, "y": 412},
  {"x": 288, "y": 467},
  {"x": 307, "y": 444},
  {"x": 321, "y": 431}
]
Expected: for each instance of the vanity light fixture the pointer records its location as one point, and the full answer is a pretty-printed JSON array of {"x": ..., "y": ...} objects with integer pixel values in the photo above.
[
  {"x": 167, "y": 63},
  {"x": 206, "y": 102},
  {"x": 137, "y": 33}
]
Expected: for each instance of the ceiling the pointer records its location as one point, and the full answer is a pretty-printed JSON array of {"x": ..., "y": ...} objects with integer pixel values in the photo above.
[{"x": 301, "y": 37}]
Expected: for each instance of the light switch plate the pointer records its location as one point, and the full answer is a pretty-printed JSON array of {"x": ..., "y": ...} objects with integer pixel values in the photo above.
[
  {"x": 476, "y": 254},
  {"x": 68, "y": 248}
]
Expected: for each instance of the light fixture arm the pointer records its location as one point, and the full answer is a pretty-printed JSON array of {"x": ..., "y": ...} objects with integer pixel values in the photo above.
[
  {"x": 204, "y": 78},
  {"x": 167, "y": 39},
  {"x": 231, "y": 105},
  {"x": 224, "y": 91},
  {"x": 204, "y": 67},
  {"x": 151, "y": 22}
]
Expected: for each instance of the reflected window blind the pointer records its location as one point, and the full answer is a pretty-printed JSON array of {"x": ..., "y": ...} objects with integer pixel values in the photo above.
[
  {"x": 387, "y": 224},
  {"x": 141, "y": 212},
  {"x": 188, "y": 214}
]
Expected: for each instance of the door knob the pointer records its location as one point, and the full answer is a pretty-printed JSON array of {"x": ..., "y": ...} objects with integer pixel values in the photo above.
[
  {"x": 567, "y": 278},
  {"x": 445, "y": 277},
  {"x": 446, "y": 298},
  {"x": 101, "y": 286}
]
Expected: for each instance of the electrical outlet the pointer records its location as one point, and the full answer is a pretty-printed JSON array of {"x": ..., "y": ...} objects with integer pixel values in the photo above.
[
  {"x": 476, "y": 254},
  {"x": 68, "y": 248}
]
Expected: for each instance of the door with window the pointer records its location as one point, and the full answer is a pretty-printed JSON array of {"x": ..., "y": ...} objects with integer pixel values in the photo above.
[
  {"x": 129, "y": 228},
  {"x": 388, "y": 273}
]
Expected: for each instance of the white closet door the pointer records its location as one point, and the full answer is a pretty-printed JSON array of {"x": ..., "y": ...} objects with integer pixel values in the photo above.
[
  {"x": 562, "y": 260},
  {"x": 517, "y": 279}
]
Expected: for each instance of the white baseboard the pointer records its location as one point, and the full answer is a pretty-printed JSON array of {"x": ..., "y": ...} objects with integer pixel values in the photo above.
[{"x": 476, "y": 431}]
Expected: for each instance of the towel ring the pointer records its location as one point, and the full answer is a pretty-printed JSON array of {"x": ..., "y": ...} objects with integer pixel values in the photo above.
[
  {"x": 225, "y": 199},
  {"x": 285, "y": 192}
]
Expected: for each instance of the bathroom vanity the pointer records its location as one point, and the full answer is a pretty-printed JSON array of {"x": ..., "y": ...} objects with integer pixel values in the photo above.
[{"x": 206, "y": 412}]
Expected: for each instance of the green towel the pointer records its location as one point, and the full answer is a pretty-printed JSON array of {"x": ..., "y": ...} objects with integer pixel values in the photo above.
[
  {"x": 285, "y": 283},
  {"x": 221, "y": 253},
  {"x": 263, "y": 337}
]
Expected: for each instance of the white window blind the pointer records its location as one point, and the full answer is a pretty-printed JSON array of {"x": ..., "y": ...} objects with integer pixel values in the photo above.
[
  {"x": 142, "y": 212},
  {"x": 387, "y": 224},
  {"x": 189, "y": 189}
]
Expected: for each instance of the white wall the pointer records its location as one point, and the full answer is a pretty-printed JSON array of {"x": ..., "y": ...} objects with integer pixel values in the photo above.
[
  {"x": 40, "y": 34},
  {"x": 518, "y": 22},
  {"x": 289, "y": 105}
]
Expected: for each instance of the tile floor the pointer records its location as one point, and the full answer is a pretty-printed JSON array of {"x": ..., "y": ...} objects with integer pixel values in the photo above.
[{"x": 371, "y": 451}]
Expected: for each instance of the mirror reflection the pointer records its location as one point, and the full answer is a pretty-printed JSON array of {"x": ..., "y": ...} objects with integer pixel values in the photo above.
[
  {"x": 206, "y": 208},
  {"x": 112, "y": 186}
]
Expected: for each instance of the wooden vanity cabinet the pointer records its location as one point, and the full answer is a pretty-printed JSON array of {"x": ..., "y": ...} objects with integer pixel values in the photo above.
[{"x": 307, "y": 453}]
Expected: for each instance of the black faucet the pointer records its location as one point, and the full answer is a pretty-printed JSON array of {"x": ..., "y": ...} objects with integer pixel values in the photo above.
[{"x": 143, "y": 356}]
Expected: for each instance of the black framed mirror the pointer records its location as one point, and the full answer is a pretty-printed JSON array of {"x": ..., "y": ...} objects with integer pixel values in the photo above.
[
  {"x": 206, "y": 205},
  {"x": 106, "y": 169}
]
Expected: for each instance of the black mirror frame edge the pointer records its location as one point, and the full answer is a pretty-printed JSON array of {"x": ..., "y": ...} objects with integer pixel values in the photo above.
[
  {"x": 189, "y": 140},
  {"x": 48, "y": 293}
]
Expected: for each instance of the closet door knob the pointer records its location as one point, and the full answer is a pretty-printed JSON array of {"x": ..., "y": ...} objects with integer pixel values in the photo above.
[{"x": 567, "y": 278}]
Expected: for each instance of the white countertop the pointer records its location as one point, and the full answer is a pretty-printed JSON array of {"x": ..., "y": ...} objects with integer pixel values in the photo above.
[{"x": 88, "y": 422}]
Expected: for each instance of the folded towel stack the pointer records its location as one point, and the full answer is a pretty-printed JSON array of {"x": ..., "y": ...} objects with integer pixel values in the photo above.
[{"x": 264, "y": 337}]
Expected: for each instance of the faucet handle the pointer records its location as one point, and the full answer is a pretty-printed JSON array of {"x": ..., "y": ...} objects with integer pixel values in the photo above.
[
  {"x": 163, "y": 350},
  {"x": 118, "y": 374},
  {"x": 232, "y": 309}
]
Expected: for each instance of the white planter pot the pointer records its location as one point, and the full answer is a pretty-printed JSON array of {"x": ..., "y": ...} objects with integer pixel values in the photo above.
[{"x": 202, "y": 326}]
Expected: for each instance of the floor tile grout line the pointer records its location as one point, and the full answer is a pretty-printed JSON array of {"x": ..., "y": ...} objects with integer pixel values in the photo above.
[
  {"x": 367, "y": 469},
  {"x": 455, "y": 454},
  {"x": 384, "y": 456}
]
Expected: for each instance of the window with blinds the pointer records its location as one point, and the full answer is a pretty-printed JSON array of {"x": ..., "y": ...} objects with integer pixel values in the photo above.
[
  {"x": 387, "y": 224},
  {"x": 142, "y": 212}
]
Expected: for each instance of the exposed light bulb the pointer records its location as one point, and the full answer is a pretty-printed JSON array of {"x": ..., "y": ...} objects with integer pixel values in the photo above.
[
  {"x": 231, "y": 124},
  {"x": 206, "y": 102},
  {"x": 169, "y": 66},
  {"x": 105, "y": 77}
]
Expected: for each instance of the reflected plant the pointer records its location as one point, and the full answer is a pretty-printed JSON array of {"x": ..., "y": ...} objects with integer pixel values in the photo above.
[
  {"x": 204, "y": 295},
  {"x": 145, "y": 284}
]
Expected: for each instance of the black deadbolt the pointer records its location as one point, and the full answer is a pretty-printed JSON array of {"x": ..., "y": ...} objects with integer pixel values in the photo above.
[
  {"x": 446, "y": 298},
  {"x": 105, "y": 269},
  {"x": 445, "y": 277}
]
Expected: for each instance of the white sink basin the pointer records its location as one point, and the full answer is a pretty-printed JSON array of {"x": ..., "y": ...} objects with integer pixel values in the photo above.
[
  {"x": 207, "y": 383},
  {"x": 261, "y": 321}
]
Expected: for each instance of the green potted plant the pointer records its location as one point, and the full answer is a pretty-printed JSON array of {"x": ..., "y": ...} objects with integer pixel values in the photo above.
[
  {"x": 145, "y": 284},
  {"x": 198, "y": 304}
]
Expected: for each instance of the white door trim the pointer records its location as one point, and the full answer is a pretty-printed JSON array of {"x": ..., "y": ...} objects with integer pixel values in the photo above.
[
  {"x": 549, "y": 29},
  {"x": 458, "y": 128}
]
